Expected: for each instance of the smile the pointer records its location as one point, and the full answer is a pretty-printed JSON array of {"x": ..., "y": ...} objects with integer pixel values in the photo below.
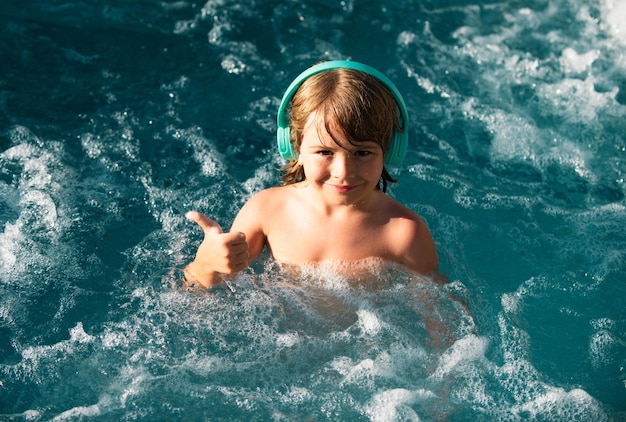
[{"x": 342, "y": 188}]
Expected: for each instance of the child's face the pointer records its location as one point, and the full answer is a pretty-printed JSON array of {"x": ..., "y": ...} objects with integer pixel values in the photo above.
[{"x": 342, "y": 172}]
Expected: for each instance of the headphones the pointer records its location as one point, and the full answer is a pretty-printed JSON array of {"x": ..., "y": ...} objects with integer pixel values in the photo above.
[{"x": 399, "y": 140}]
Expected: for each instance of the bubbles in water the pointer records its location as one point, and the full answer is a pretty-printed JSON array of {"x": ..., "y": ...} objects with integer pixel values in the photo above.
[
  {"x": 613, "y": 19},
  {"x": 517, "y": 116},
  {"x": 36, "y": 194},
  {"x": 573, "y": 63},
  {"x": 234, "y": 347},
  {"x": 557, "y": 404},
  {"x": 466, "y": 349},
  {"x": 396, "y": 404}
]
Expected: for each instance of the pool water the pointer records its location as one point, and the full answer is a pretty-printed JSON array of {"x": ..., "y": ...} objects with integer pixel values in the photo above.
[{"x": 118, "y": 117}]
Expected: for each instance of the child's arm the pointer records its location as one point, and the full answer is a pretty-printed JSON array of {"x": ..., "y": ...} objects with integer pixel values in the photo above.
[{"x": 219, "y": 253}]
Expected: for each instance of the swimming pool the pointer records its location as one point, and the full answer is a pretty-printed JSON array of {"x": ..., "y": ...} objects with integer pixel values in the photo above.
[{"x": 116, "y": 119}]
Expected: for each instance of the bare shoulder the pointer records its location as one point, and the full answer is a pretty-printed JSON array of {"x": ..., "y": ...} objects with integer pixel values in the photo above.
[
  {"x": 402, "y": 217},
  {"x": 267, "y": 199},
  {"x": 412, "y": 240},
  {"x": 261, "y": 207}
]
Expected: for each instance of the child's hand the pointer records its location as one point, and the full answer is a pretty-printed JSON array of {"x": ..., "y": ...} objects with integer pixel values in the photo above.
[{"x": 219, "y": 253}]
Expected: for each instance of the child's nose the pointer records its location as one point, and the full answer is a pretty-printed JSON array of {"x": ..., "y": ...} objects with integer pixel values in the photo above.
[{"x": 342, "y": 165}]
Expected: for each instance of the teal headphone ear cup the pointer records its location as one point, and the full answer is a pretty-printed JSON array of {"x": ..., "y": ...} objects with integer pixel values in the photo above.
[
  {"x": 285, "y": 147},
  {"x": 397, "y": 145},
  {"x": 396, "y": 150}
]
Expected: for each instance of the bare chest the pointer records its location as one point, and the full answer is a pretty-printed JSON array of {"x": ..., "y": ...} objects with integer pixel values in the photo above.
[{"x": 307, "y": 239}]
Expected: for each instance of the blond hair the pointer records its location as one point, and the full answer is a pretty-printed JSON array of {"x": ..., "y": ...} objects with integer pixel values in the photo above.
[{"x": 358, "y": 103}]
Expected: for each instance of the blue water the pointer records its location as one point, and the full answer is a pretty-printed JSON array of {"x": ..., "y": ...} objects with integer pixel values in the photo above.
[{"x": 118, "y": 117}]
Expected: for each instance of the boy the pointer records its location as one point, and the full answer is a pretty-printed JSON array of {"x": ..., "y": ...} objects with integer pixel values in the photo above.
[{"x": 343, "y": 127}]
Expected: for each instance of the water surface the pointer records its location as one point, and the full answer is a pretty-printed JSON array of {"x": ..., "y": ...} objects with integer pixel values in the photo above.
[{"x": 117, "y": 118}]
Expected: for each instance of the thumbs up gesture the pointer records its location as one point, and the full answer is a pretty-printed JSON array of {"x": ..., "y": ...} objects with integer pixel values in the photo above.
[{"x": 219, "y": 253}]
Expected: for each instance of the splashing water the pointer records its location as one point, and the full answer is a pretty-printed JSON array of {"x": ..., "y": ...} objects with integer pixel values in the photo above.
[{"x": 116, "y": 119}]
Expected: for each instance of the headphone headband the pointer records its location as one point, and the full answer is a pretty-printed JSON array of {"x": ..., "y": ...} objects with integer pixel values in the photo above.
[{"x": 398, "y": 143}]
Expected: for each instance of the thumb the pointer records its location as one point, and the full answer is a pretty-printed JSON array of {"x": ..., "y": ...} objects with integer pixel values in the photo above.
[{"x": 206, "y": 224}]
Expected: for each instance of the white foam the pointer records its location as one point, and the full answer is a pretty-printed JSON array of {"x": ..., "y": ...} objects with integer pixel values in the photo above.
[
  {"x": 369, "y": 322},
  {"x": 361, "y": 372},
  {"x": 263, "y": 177},
  {"x": 204, "y": 151},
  {"x": 34, "y": 356},
  {"x": 339, "y": 275},
  {"x": 559, "y": 404},
  {"x": 133, "y": 387},
  {"x": 91, "y": 144},
  {"x": 43, "y": 206},
  {"x": 287, "y": 340},
  {"x": 603, "y": 342},
  {"x": 574, "y": 63},
  {"x": 78, "y": 334},
  {"x": 465, "y": 350},
  {"x": 393, "y": 363},
  {"x": 577, "y": 100},
  {"x": 570, "y": 93},
  {"x": 601, "y": 345},
  {"x": 394, "y": 404},
  {"x": 233, "y": 64},
  {"x": 205, "y": 365},
  {"x": 341, "y": 364},
  {"x": 296, "y": 395},
  {"x": 32, "y": 414},
  {"x": 514, "y": 138},
  {"x": 78, "y": 413},
  {"x": 614, "y": 19},
  {"x": 36, "y": 164},
  {"x": 10, "y": 239},
  {"x": 533, "y": 398},
  {"x": 38, "y": 203},
  {"x": 510, "y": 303},
  {"x": 111, "y": 339}
]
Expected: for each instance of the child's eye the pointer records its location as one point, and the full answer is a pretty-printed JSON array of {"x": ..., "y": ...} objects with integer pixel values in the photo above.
[
  {"x": 362, "y": 153},
  {"x": 324, "y": 152}
]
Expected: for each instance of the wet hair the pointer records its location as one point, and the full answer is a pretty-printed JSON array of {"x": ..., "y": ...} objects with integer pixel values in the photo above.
[{"x": 356, "y": 102}]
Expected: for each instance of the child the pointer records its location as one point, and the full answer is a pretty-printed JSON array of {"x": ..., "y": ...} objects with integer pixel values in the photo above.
[{"x": 344, "y": 125}]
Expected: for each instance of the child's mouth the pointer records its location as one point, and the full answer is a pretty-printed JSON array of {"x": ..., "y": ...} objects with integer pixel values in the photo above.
[{"x": 343, "y": 188}]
